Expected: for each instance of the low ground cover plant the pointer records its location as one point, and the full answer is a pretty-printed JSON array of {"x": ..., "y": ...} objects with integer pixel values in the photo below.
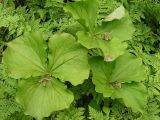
[{"x": 79, "y": 60}]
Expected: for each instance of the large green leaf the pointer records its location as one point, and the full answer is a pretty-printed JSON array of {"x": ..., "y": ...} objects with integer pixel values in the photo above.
[
  {"x": 122, "y": 29},
  {"x": 88, "y": 40},
  {"x": 68, "y": 59},
  {"x": 26, "y": 56},
  {"x": 134, "y": 95},
  {"x": 128, "y": 68},
  {"x": 111, "y": 48},
  {"x": 40, "y": 99},
  {"x": 117, "y": 79},
  {"x": 84, "y": 11},
  {"x": 102, "y": 71}
]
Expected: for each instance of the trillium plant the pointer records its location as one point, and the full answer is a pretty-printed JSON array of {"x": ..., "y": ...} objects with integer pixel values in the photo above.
[{"x": 43, "y": 67}]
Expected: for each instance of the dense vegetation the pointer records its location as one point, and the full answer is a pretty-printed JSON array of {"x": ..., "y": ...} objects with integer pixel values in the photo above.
[{"x": 80, "y": 59}]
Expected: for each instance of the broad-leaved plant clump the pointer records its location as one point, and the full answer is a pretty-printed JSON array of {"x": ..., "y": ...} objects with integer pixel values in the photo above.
[{"x": 48, "y": 66}]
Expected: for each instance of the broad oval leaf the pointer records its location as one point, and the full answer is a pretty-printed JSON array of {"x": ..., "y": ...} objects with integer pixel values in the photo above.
[
  {"x": 88, "y": 40},
  {"x": 101, "y": 71},
  {"x": 40, "y": 100},
  {"x": 68, "y": 60},
  {"x": 84, "y": 11},
  {"x": 26, "y": 56},
  {"x": 128, "y": 68},
  {"x": 134, "y": 95},
  {"x": 113, "y": 48},
  {"x": 122, "y": 29}
]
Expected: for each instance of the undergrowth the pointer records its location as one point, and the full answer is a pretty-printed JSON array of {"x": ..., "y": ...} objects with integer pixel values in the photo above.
[{"x": 48, "y": 16}]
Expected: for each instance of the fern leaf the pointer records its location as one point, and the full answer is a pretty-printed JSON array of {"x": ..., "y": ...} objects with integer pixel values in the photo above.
[
  {"x": 7, "y": 108},
  {"x": 96, "y": 115},
  {"x": 71, "y": 114}
]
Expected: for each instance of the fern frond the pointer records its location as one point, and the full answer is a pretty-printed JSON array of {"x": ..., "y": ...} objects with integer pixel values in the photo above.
[
  {"x": 8, "y": 84},
  {"x": 154, "y": 85},
  {"x": 71, "y": 114},
  {"x": 96, "y": 115},
  {"x": 7, "y": 108},
  {"x": 152, "y": 110},
  {"x": 19, "y": 116}
]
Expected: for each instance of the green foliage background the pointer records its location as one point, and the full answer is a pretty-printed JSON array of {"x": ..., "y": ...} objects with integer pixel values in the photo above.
[{"x": 18, "y": 16}]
